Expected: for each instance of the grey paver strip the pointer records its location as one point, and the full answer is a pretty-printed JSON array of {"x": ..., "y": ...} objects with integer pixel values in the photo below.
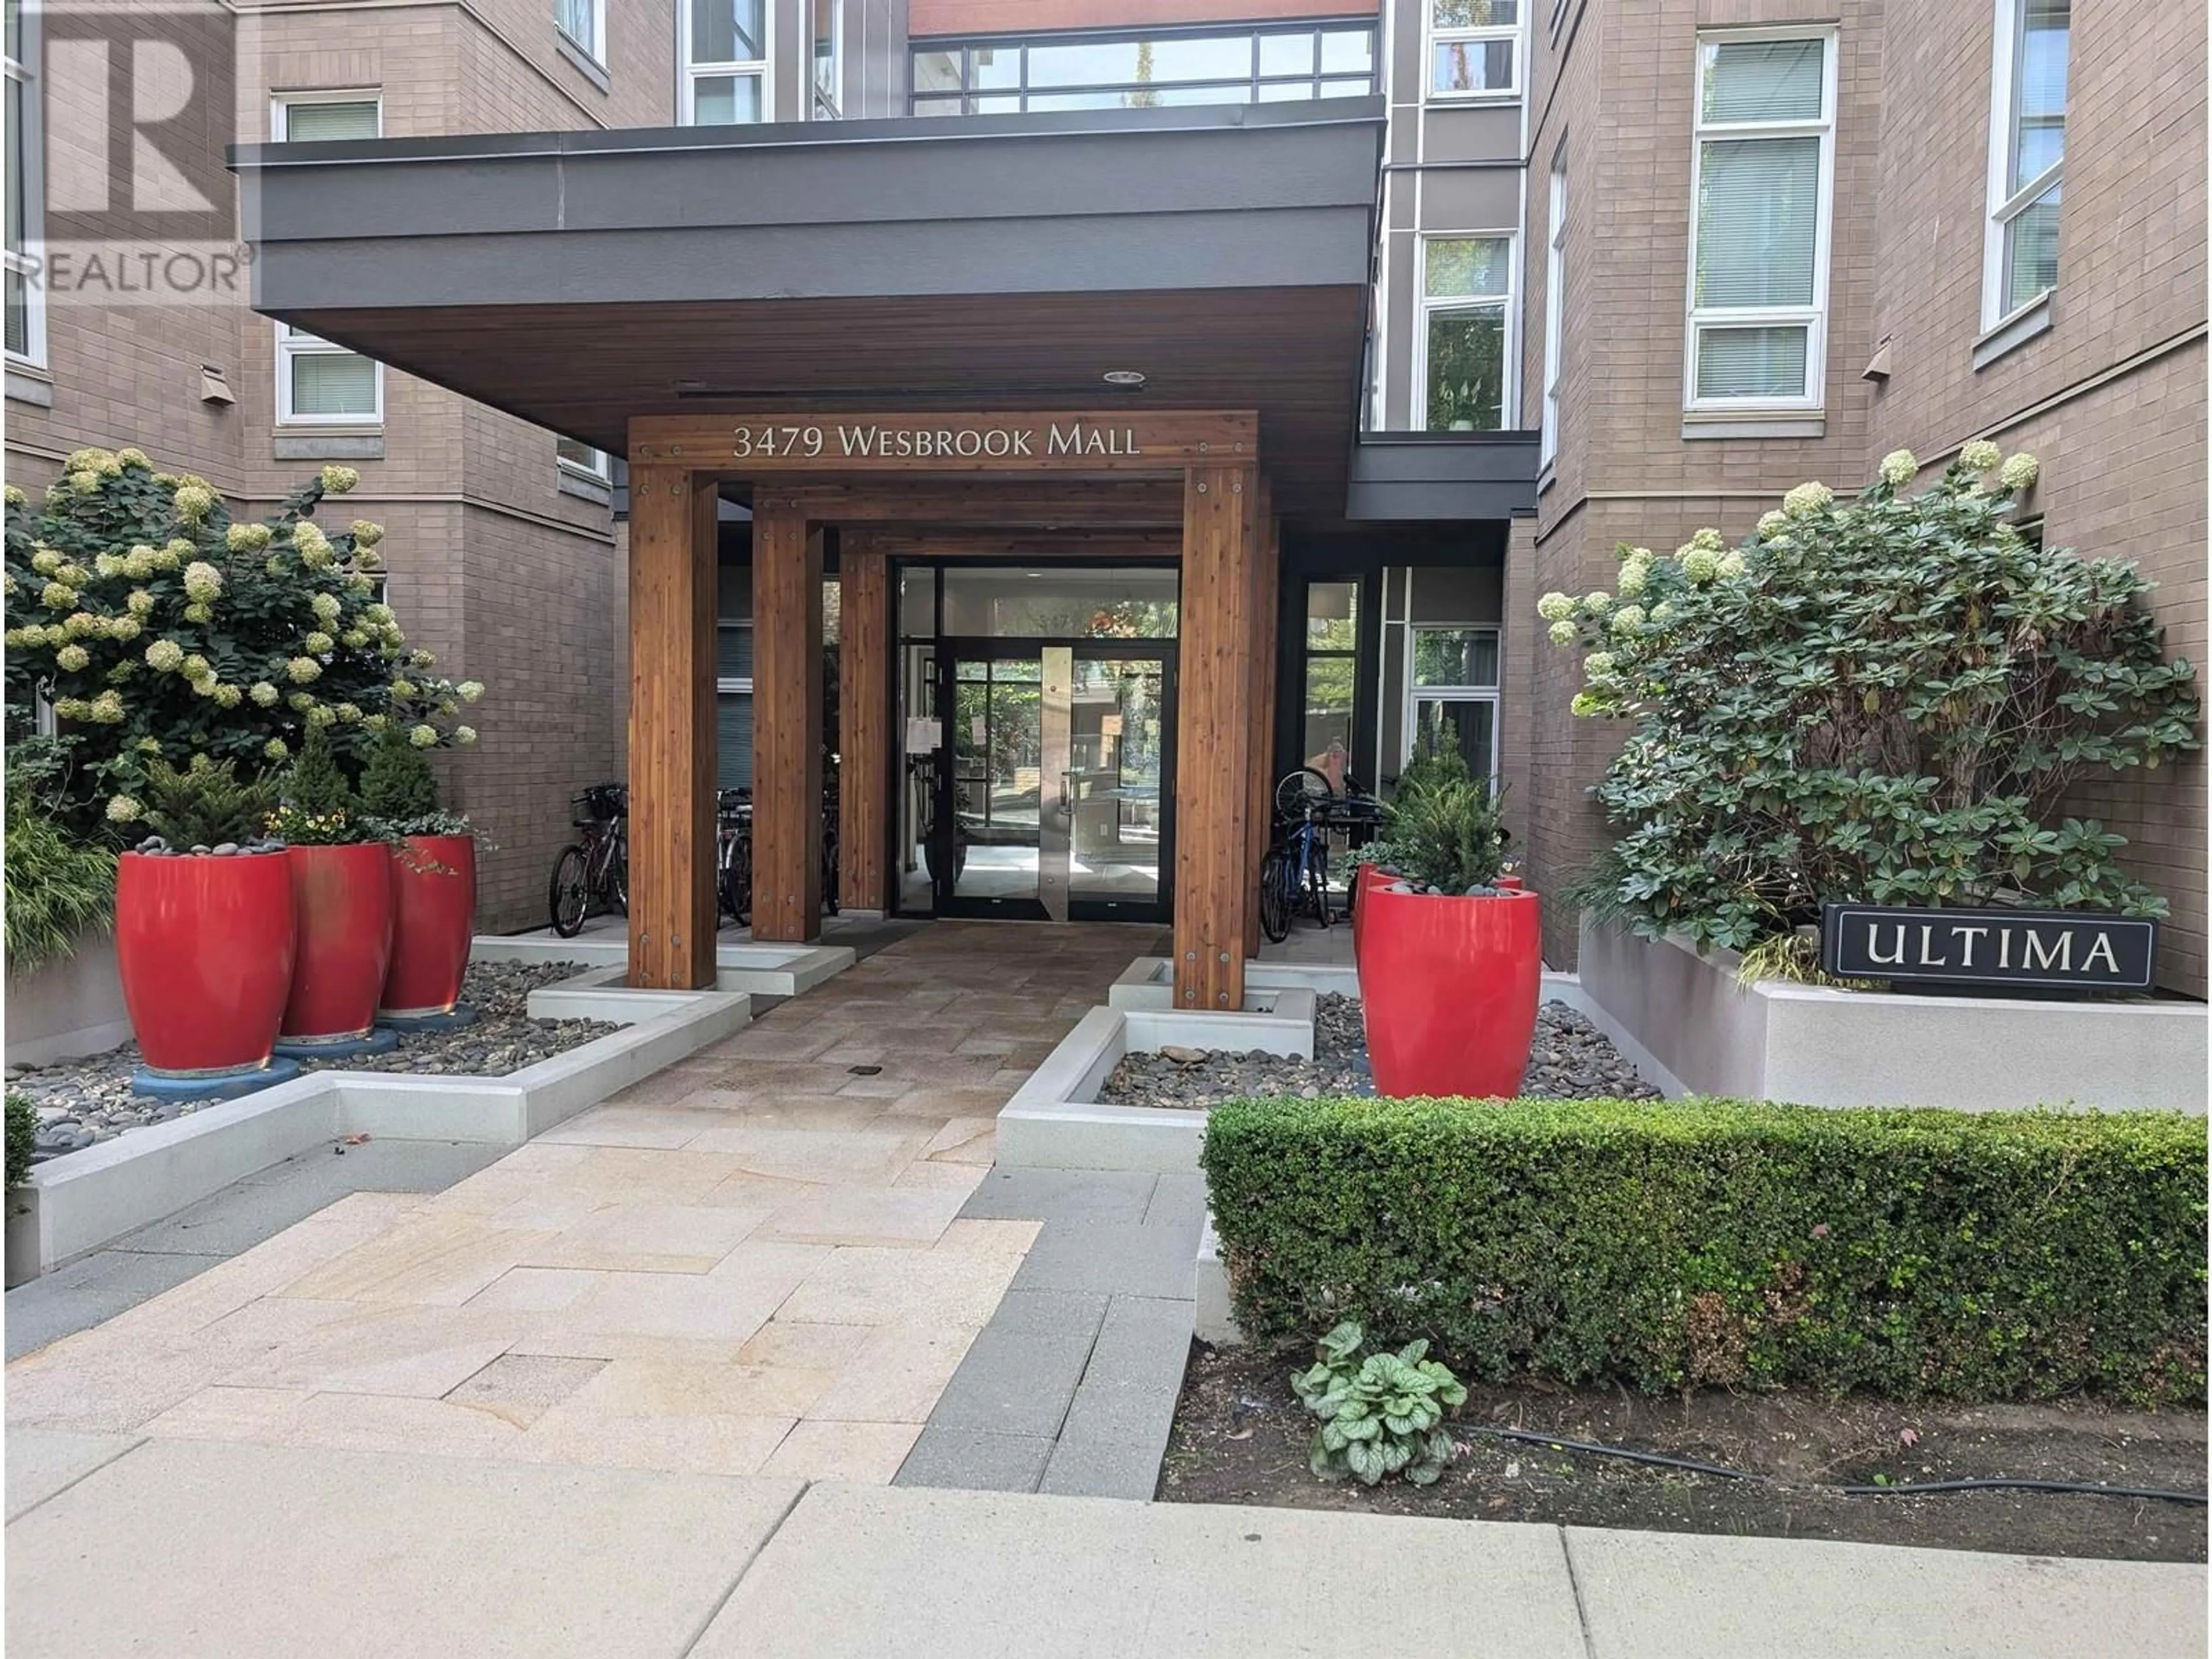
[
  {"x": 1051, "y": 1196},
  {"x": 975, "y": 1460},
  {"x": 1116, "y": 1429},
  {"x": 1020, "y": 1374},
  {"x": 1118, "y": 1257},
  {"x": 1179, "y": 1200}
]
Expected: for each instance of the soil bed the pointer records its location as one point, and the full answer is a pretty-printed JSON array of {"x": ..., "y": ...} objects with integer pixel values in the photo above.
[
  {"x": 1240, "y": 1437},
  {"x": 82, "y": 1102},
  {"x": 1569, "y": 1059}
]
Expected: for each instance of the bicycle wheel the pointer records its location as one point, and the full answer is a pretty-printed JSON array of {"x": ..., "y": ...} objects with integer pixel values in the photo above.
[
  {"x": 829, "y": 872},
  {"x": 1275, "y": 895},
  {"x": 1317, "y": 880},
  {"x": 617, "y": 874},
  {"x": 568, "y": 894},
  {"x": 737, "y": 882},
  {"x": 1299, "y": 790}
]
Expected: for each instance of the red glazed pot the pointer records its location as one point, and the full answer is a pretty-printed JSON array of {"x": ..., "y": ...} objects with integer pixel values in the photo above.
[
  {"x": 434, "y": 881},
  {"x": 1367, "y": 876},
  {"x": 204, "y": 946},
  {"x": 1449, "y": 988},
  {"x": 342, "y": 898}
]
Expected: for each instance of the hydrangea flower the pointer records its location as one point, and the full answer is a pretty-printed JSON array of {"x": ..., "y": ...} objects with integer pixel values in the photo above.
[
  {"x": 57, "y": 596},
  {"x": 337, "y": 480},
  {"x": 424, "y": 737},
  {"x": 348, "y": 713},
  {"x": 264, "y": 693},
  {"x": 402, "y": 689},
  {"x": 71, "y": 708},
  {"x": 358, "y": 583},
  {"x": 1585, "y": 703},
  {"x": 469, "y": 690},
  {"x": 108, "y": 564},
  {"x": 1555, "y": 607},
  {"x": 246, "y": 538},
  {"x": 73, "y": 658},
  {"x": 84, "y": 483},
  {"x": 375, "y": 722},
  {"x": 194, "y": 502},
  {"x": 1628, "y": 619},
  {"x": 16, "y": 497},
  {"x": 464, "y": 734},
  {"x": 203, "y": 581},
  {"x": 322, "y": 714},
  {"x": 80, "y": 624},
  {"x": 319, "y": 642},
  {"x": 417, "y": 659},
  {"x": 2020, "y": 471},
  {"x": 172, "y": 555},
  {"x": 106, "y": 708},
  {"x": 1709, "y": 539},
  {"x": 1898, "y": 467},
  {"x": 314, "y": 546},
  {"x": 1769, "y": 523},
  {"x": 1807, "y": 498},
  {"x": 301, "y": 702},
  {"x": 137, "y": 458},
  {"x": 1979, "y": 456},
  {"x": 366, "y": 534},
  {"x": 303, "y": 669},
  {"x": 1662, "y": 613},
  {"x": 1597, "y": 600},
  {"x": 1635, "y": 577},
  {"x": 1699, "y": 565},
  {"x": 46, "y": 562},
  {"x": 139, "y": 562},
  {"x": 88, "y": 459},
  {"x": 276, "y": 749},
  {"x": 1597, "y": 665},
  {"x": 199, "y": 613},
  {"x": 379, "y": 613},
  {"x": 147, "y": 745},
  {"x": 167, "y": 655},
  {"x": 124, "y": 628},
  {"x": 121, "y": 809},
  {"x": 353, "y": 639},
  {"x": 1563, "y": 633},
  {"x": 324, "y": 605},
  {"x": 1729, "y": 566}
]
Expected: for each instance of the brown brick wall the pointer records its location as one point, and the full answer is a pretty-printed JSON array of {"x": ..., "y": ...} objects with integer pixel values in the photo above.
[{"x": 2112, "y": 397}]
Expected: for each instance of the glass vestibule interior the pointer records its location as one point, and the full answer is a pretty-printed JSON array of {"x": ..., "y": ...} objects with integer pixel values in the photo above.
[{"x": 1037, "y": 715}]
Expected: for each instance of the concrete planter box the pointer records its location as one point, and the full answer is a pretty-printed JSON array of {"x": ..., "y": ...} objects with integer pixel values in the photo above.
[
  {"x": 1687, "y": 1024},
  {"x": 71, "y": 1008}
]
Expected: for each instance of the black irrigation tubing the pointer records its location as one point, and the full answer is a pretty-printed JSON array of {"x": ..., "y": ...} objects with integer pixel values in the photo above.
[{"x": 1900, "y": 1489}]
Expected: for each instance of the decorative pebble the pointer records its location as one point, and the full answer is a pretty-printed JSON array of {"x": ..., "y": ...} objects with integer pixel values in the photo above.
[
  {"x": 1569, "y": 1059},
  {"x": 80, "y": 1102}
]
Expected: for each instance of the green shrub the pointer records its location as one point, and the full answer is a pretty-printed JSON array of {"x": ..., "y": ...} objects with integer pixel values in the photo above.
[
  {"x": 397, "y": 786},
  {"x": 1884, "y": 699},
  {"x": 206, "y": 804},
  {"x": 22, "y": 1138},
  {"x": 1381, "y": 1413},
  {"x": 317, "y": 807},
  {"x": 59, "y": 884},
  {"x": 1445, "y": 834},
  {"x": 1663, "y": 1244}
]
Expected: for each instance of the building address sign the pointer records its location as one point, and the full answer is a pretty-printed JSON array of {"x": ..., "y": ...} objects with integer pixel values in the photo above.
[
  {"x": 815, "y": 441},
  {"x": 1073, "y": 439},
  {"x": 2079, "y": 950}
]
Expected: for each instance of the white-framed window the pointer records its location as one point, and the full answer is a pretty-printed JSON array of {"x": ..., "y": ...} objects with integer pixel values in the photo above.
[
  {"x": 319, "y": 384},
  {"x": 828, "y": 33},
  {"x": 1475, "y": 48},
  {"x": 305, "y": 118},
  {"x": 25, "y": 187},
  {"x": 584, "y": 24},
  {"x": 1762, "y": 182},
  {"x": 1555, "y": 308},
  {"x": 726, "y": 49},
  {"x": 1451, "y": 692},
  {"x": 1466, "y": 339},
  {"x": 2027, "y": 152},
  {"x": 584, "y": 460}
]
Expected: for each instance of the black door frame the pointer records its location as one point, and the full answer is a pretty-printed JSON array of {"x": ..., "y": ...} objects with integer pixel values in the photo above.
[{"x": 951, "y": 649}]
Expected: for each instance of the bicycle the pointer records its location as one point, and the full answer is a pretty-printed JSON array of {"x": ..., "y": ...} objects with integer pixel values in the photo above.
[
  {"x": 595, "y": 866},
  {"x": 733, "y": 854},
  {"x": 1295, "y": 869}
]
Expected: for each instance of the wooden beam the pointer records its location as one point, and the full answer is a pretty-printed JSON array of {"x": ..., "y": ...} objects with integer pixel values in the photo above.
[
  {"x": 1267, "y": 590},
  {"x": 786, "y": 727},
  {"x": 1038, "y": 546},
  {"x": 672, "y": 729},
  {"x": 1213, "y": 738},
  {"x": 1090, "y": 441},
  {"x": 1001, "y": 504},
  {"x": 863, "y": 722}
]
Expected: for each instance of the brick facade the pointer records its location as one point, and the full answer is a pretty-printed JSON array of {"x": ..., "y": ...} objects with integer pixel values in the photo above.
[{"x": 2111, "y": 397}]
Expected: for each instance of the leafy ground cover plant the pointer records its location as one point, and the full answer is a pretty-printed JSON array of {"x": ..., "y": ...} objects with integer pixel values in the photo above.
[
  {"x": 1883, "y": 699},
  {"x": 22, "y": 1138},
  {"x": 1382, "y": 1413},
  {"x": 58, "y": 885}
]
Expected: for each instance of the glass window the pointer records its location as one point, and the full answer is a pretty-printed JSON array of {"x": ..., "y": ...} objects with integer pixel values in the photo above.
[
  {"x": 1455, "y": 657},
  {"x": 1287, "y": 54},
  {"x": 1467, "y": 724},
  {"x": 321, "y": 384},
  {"x": 1332, "y": 616},
  {"x": 827, "y": 68},
  {"x": 1467, "y": 302},
  {"x": 1272, "y": 62},
  {"x": 26, "y": 165},
  {"x": 1328, "y": 707},
  {"x": 582, "y": 458},
  {"x": 1758, "y": 303},
  {"x": 726, "y": 62},
  {"x": 2027, "y": 151},
  {"x": 990, "y": 601},
  {"x": 1555, "y": 308},
  {"x": 1475, "y": 48},
  {"x": 323, "y": 120},
  {"x": 585, "y": 23},
  {"x": 1453, "y": 694}
]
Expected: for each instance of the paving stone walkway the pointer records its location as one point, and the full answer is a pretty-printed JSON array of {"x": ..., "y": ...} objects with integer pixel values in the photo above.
[{"x": 760, "y": 1260}]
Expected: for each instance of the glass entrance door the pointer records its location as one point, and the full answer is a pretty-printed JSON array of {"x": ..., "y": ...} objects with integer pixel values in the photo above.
[{"x": 1056, "y": 780}]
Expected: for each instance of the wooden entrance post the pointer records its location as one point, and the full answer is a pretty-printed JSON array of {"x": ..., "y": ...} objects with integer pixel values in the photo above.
[
  {"x": 864, "y": 717},
  {"x": 1266, "y": 588},
  {"x": 1213, "y": 727},
  {"x": 672, "y": 729},
  {"x": 786, "y": 723}
]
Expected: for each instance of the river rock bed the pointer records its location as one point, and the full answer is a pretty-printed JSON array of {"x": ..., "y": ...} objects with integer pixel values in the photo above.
[
  {"x": 81, "y": 1103},
  {"x": 1569, "y": 1059}
]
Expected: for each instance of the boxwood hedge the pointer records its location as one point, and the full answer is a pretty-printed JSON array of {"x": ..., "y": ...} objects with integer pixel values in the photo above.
[{"x": 1665, "y": 1244}]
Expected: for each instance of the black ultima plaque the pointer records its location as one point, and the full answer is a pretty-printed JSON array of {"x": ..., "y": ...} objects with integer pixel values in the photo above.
[{"x": 2081, "y": 950}]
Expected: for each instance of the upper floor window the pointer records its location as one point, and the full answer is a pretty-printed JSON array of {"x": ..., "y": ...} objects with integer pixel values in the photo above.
[
  {"x": 1452, "y": 694},
  {"x": 1266, "y": 65},
  {"x": 1475, "y": 48},
  {"x": 26, "y": 163},
  {"x": 828, "y": 56},
  {"x": 1762, "y": 174},
  {"x": 725, "y": 80},
  {"x": 2027, "y": 151},
  {"x": 583, "y": 458},
  {"x": 315, "y": 118},
  {"x": 320, "y": 384},
  {"x": 1555, "y": 308},
  {"x": 585, "y": 23},
  {"x": 1466, "y": 329}
]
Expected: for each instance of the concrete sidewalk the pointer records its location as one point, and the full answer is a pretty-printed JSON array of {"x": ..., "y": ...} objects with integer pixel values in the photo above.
[{"x": 185, "y": 1548}]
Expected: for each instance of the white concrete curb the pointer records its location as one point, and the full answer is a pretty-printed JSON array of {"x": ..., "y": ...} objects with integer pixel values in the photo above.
[
  {"x": 86, "y": 1198},
  {"x": 765, "y": 970},
  {"x": 1149, "y": 981}
]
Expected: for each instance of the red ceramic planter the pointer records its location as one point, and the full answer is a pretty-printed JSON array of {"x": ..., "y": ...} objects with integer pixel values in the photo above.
[
  {"x": 204, "y": 946},
  {"x": 435, "y": 911},
  {"x": 1366, "y": 876},
  {"x": 1449, "y": 989},
  {"x": 342, "y": 898}
]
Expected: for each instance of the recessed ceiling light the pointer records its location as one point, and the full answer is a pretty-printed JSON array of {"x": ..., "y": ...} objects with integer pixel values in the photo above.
[{"x": 1123, "y": 377}]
